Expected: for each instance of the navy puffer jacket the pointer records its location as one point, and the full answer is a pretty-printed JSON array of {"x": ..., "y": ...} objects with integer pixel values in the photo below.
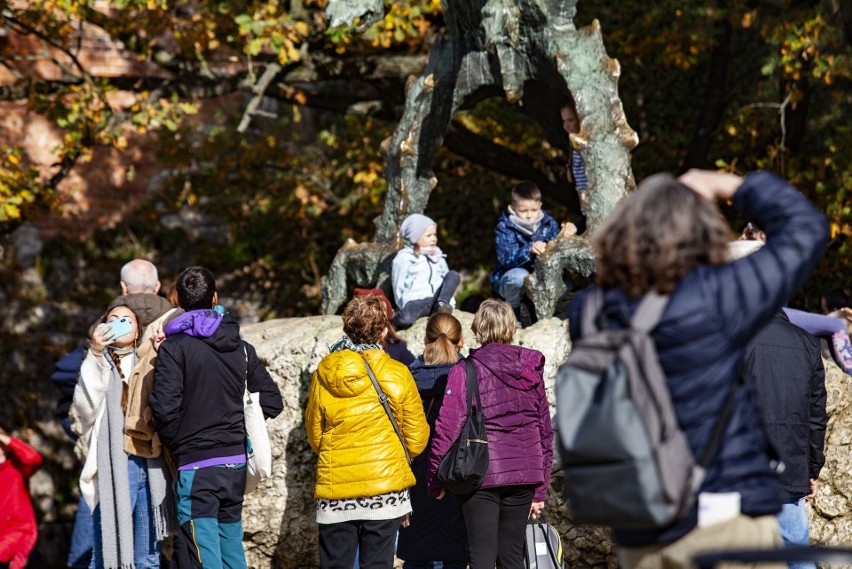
[{"x": 701, "y": 339}]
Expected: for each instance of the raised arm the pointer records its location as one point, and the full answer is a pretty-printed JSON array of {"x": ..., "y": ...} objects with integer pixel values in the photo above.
[
  {"x": 747, "y": 292},
  {"x": 90, "y": 393},
  {"x": 26, "y": 459}
]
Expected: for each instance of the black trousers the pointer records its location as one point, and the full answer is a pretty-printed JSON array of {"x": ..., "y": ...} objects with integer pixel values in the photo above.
[
  {"x": 374, "y": 541},
  {"x": 415, "y": 309},
  {"x": 496, "y": 520}
]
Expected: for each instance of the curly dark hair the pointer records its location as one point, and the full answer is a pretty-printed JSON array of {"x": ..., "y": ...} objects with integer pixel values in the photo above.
[
  {"x": 657, "y": 235},
  {"x": 365, "y": 319}
]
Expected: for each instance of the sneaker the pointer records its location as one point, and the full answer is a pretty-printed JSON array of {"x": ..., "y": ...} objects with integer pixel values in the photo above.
[{"x": 444, "y": 308}]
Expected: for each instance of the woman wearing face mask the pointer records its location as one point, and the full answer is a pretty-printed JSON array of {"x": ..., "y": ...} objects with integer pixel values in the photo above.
[{"x": 125, "y": 484}]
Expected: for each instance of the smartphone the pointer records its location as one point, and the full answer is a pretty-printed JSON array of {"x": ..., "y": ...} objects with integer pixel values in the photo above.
[{"x": 118, "y": 328}]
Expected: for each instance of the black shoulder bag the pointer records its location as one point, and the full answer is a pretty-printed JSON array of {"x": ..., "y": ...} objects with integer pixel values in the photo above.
[{"x": 464, "y": 467}]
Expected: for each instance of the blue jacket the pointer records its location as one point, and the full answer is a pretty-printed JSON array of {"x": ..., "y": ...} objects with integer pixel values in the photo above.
[
  {"x": 711, "y": 316},
  {"x": 416, "y": 277},
  {"x": 513, "y": 245},
  {"x": 436, "y": 532}
]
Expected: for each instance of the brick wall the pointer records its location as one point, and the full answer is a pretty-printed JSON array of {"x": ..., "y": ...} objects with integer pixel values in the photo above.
[{"x": 97, "y": 193}]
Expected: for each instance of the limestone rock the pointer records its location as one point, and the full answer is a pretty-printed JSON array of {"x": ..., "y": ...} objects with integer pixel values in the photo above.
[{"x": 830, "y": 514}]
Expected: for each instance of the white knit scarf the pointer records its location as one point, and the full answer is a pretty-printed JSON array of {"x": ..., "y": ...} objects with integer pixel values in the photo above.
[{"x": 114, "y": 487}]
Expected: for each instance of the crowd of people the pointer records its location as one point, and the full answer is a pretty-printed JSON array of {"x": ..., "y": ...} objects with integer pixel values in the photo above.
[{"x": 157, "y": 408}]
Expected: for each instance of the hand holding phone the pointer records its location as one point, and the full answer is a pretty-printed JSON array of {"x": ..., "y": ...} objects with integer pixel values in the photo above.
[{"x": 116, "y": 329}]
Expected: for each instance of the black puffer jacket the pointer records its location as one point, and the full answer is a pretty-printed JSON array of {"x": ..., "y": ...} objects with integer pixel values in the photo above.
[
  {"x": 701, "y": 338},
  {"x": 785, "y": 364},
  {"x": 197, "y": 400}
]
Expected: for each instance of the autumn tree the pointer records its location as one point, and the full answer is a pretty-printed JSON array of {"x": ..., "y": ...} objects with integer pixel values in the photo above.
[{"x": 261, "y": 111}]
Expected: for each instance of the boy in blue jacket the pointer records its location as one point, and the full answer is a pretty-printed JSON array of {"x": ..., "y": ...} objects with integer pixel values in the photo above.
[{"x": 522, "y": 233}]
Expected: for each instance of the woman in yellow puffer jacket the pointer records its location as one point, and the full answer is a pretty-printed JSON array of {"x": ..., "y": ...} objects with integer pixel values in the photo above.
[{"x": 362, "y": 472}]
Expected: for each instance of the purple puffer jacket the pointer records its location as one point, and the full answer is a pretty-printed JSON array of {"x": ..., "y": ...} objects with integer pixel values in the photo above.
[{"x": 517, "y": 418}]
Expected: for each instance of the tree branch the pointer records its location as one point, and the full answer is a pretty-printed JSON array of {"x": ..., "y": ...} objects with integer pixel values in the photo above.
[
  {"x": 259, "y": 90},
  {"x": 498, "y": 158}
]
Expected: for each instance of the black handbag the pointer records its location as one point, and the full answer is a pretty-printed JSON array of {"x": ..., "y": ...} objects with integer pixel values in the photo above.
[{"x": 464, "y": 467}]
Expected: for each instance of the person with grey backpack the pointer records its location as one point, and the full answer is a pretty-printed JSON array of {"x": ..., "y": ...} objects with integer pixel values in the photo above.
[{"x": 669, "y": 437}]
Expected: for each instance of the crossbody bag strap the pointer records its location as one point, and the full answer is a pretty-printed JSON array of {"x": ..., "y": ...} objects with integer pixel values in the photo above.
[
  {"x": 245, "y": 352},
  {"x": 383, "y": 399},
  {"x": 472, "y": 385}
]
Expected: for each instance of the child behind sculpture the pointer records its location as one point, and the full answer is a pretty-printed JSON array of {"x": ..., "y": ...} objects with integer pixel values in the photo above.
[{"x": 522, "y": 233}]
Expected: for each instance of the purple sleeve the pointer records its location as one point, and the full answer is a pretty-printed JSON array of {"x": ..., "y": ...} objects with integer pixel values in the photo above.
[
  {"x": 815, "y": 324},
  {"x": 545, "y": 428},
  {"x": 448, "y": 426}
]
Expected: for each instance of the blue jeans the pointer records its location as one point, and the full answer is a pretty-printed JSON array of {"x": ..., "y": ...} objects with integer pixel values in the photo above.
[
  {"x": 82, "y": 538},
  {"x": 146, "y": 549},
  {"x": 793, "y": 520},
  {"x": 511, "y": 286}
]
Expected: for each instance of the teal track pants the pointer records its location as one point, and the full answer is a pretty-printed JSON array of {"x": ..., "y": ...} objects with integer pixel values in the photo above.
[{"x": 210, "y": 505}]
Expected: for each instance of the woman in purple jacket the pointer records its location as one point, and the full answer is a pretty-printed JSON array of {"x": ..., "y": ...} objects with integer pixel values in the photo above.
[{"x": 520, "y": 440}]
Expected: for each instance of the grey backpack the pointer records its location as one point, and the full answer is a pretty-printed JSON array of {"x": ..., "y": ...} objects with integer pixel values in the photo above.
[{"x": 627, "y": 464}]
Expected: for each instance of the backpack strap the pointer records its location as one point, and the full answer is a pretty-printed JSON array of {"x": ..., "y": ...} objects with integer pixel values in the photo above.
[
  {"x": 591, "y": 308},
  {"x": 649, "y": 312},
  {"x": 721, "y": 425}
]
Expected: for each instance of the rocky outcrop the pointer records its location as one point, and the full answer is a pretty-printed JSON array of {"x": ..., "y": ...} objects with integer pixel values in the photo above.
[
  {"x": 279, "y": 518},
  {"x": 830, "y": 512}
]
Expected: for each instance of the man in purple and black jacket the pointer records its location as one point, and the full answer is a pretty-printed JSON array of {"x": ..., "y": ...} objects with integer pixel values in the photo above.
[{"x": 203, "y": 368}]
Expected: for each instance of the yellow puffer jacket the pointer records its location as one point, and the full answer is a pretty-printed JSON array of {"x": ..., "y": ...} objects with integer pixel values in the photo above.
[{"x": 359, "y": 452}]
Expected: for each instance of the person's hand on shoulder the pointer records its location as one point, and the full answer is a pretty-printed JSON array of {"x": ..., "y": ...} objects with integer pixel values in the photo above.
[
  {"x": 711, "y": 185},
  {"x": 569, "y": 229},
  {"x": 538, "y": 247},
  {"x": 159, "y": 336}
]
